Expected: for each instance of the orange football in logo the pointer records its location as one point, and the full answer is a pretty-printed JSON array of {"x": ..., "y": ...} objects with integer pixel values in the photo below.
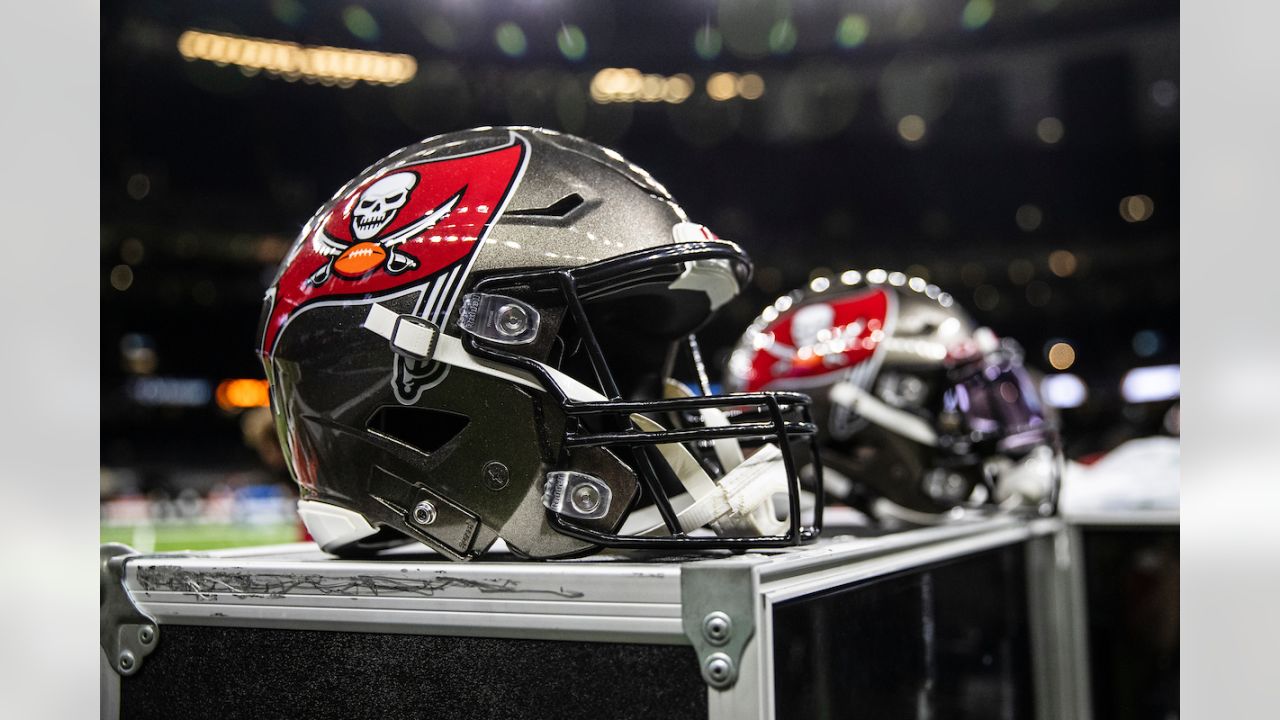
[{"x": 359, "y": 259}]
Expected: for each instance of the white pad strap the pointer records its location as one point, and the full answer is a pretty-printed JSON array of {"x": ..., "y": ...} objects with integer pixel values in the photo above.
[
  {"x": 449, "y": 350},
  {"x": 742, "y": 502},
  {"x": 414, "y": 337},
  {"x": 859, "y": 401},
  {"x": 728, "y": 450}
]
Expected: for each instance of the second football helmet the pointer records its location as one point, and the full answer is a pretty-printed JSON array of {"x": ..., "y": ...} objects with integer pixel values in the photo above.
[{"x": 917, "y": 404}]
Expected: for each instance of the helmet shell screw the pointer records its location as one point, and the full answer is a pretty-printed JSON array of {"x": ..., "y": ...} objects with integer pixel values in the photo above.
[
  {"x": 496, "y": 475},
  {"x": 512, "y": 320},
  {"x": 424, "y": 513},
  {"x": 585, "y": 498}
]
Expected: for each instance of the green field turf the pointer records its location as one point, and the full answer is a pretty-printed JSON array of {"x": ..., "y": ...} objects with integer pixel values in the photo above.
[{"x": 167, "y": 538}]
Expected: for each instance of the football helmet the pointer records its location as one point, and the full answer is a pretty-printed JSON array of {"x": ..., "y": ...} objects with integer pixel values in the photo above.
[
  {"x": 478, "y": 338},
  {"x": 917, "y": 405}
]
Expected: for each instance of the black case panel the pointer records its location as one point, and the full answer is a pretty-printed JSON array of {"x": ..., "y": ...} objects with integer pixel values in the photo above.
[
  {"x": 948, "y": 640},
  {"x": 1131, "y": 581},
  {"x": 229, "y": 672}
]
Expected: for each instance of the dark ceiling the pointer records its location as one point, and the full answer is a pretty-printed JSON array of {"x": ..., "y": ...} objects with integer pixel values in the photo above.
[{"x": 207, "y": 173}]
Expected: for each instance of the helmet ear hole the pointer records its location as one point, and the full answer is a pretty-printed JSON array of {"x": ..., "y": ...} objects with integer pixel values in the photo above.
[{"x": 423, "y": 429}]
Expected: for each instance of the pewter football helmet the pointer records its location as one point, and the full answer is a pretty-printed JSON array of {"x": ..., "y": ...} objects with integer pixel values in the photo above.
[
  {"x": 478, "y": 338},
  {"x": 917, "y": 405}
]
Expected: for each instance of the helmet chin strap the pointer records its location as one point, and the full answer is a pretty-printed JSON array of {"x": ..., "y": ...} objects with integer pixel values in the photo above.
[
  {"x": 740, "y": 503},
  {"x": 727, "y": 450},
  {"x": 1027, "y": 481}
]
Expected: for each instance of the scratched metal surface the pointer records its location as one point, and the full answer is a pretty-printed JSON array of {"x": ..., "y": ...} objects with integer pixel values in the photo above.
[
  {"x": 295, "y": 588},
  {"x": 607, "y": 598}
]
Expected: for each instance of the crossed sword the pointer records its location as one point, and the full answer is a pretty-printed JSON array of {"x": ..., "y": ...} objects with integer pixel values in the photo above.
[{"x": 397, "y": 262}]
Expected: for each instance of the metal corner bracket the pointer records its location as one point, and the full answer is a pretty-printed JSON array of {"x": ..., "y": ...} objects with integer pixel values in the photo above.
[
  {"x": 718, "y": 600},
  {"x": 128, "y": 633}
]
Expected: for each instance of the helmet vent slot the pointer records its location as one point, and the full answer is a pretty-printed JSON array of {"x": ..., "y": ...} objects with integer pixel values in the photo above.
[
  {"x": 557, "y": 209},
  {"x": 423, "y": 429}
]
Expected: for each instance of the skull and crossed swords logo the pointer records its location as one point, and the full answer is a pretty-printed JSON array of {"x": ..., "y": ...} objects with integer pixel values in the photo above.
[{"x": 372, "y": 213}]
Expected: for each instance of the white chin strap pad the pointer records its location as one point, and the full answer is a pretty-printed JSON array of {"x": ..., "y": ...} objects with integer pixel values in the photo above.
[
  {"x": 741, "y": 503},
  {"x": 1029, "y": 481},
  {"x": 727, "y": 450}
]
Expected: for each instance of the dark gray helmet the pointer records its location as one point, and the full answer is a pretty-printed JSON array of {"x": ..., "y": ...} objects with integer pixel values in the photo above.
[
  {"x": 477, "y": 337},
  {"x": 916, "y": 403}
]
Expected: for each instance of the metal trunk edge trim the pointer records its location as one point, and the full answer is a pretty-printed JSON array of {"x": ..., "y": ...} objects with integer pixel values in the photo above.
[{"x": 128, "y": 633}]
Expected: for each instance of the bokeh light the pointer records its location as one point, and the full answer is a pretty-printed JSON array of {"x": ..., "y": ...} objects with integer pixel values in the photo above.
[
  {"x": 1151, "y": 384},
  {"x": 1050, "y": 130},
  {"x": 360, "y": 23},
  {"x": 1039, "y": 293},
  {"x": 138, "y": 186},
  {"x": 1021, "y": 271},
  {"x": 289, "y": 12},
  {"x": 290, "y": 61},
  {"x": 986, "y": 297},
  {"x": 782, "y": 37},
  {"x": 121, "y": 277},
  {"x": 677, "y": 88},
  {"x": 626, "y": 85},
  {"x": 1063, "y": 390},
  {"x": 1136, "y": 208},
  {"x": 510, "y": 39},
  {"x": 911, "y": 128},
  {"x": 977, "y": 13},
  {"x": 132, "y": 251},
  {"x": 240, "y": 393},
  {"x": 750, "y": 86},
  {"x": 707, "y": 42},
  {"x": 1028, "y": 217},
  {"x": 1164, "y": 93},
  {"x": 722, "y": 86},
  {"x": 1063, "y": 263},
  {"x": 572, "y": 42},
  {"x": 852, "y": 31},
  {"x": 1146, "y": 343},
  {"x": 1061, "y": 355}
]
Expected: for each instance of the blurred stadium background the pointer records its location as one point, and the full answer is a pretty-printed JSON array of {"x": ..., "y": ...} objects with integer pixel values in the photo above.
[{"x": 1022, "y": 154}]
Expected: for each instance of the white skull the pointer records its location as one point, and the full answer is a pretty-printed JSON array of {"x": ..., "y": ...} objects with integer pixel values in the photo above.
[
  {"x": 379, "y": 203},
  {"x": 809, "y": 321}
]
